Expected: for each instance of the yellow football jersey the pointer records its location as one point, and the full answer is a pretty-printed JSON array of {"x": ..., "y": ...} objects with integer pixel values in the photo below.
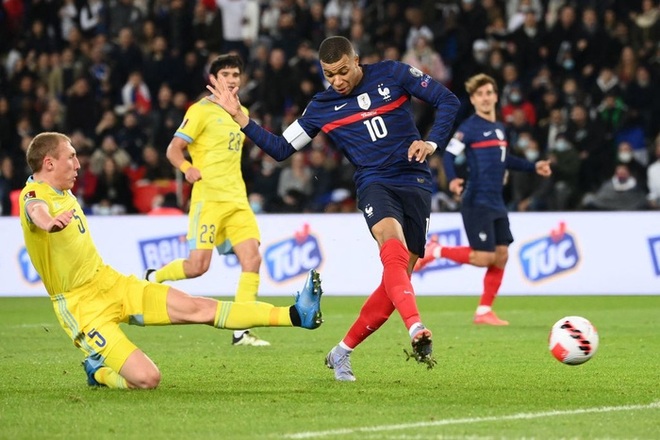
[
  {"x": 66, "y": 259},
  {"x": 215, "y": 144}
]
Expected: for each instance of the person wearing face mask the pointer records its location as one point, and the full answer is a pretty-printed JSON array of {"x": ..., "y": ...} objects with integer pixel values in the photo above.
[
  {"x": 565, "y": 163},
  {"x": 620, "y": 193},
  {"x": 625, "y": 154},
  {"x": 518, "y": 101},
  {"x": 529, "y": 191}
]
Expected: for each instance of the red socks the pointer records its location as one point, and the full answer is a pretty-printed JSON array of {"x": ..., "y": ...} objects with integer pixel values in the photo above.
[
  {"x": 375, "y": 311},
  {"x": 492, "y": 282},
  {"x": 459, "y": 254},
  {"x": 395, "y": 257}
]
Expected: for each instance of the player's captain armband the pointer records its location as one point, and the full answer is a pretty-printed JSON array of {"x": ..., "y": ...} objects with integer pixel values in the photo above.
[
  {"x": 455, "y": 147},
  {"x": 296, "y": 136},
  {"x": 184, "y": 166}
]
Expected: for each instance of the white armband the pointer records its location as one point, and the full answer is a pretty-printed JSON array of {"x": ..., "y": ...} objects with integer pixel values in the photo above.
[
  {"x": 455, "y": 147},
  {"x": 296, "y": 136}
]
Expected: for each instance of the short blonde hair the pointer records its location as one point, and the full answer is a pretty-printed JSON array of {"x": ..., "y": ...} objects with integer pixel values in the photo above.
[
  {"x": 44, "y": 144},
  {"x": 476, "y": 81}
]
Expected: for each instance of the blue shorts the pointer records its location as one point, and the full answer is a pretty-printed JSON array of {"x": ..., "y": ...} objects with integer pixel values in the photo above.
[
  {"x": 409, "y": 205},
  {"x": 486, "y": 228}
]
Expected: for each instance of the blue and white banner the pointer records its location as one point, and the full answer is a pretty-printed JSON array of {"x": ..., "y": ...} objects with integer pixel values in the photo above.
[{"x": 553, "y": 254}]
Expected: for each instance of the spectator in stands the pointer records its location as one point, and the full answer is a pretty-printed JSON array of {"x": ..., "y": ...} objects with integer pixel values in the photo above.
[
  {"x": 529, "y": 191},
  {"x": 132, "y": 138},
  {"x": 619, "y": 193},
  {"x": 322, "y": 170},
  {"x": 123, "y": 14},
  {"x": 135, "y": 95},
  {"x": 64, "y": 70},
  {"x": 565, "y": 164},
  {"x": 159, "y": 66},
  {"x": 277, "y": 87},
  {"x": 653, "y": 177},
  {"x": 81, "y": 107},
  {"x": 643, "y": 96},
  {"x": 207, "y": 28},
  {"x": 295, "y": 177},
  {"x": 517, "y": 101},
  {"x": 586, "y": 136},
  {"x": 527, "y": 41},
  {"x": 233, "y": 12},
  {"x": 626, "y": 155},
  {"x": 156, "y": 166},
  {"x": 8, "y": 134},
  {"x": 127, "y": 57},
  {"x": 109, "y": 148},
  {"x": 265, "y": 181},
  {"x": 108, "y": 125},
  {"x": 113, "y": 194},
  {"x": 9, "y": 181}
]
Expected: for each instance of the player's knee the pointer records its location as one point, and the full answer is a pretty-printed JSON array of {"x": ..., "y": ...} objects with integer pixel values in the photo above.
[
  {"x": 147, "y": 379},
  {"x": 197, "y": 268},
  {"x": 251, "y": 263}
]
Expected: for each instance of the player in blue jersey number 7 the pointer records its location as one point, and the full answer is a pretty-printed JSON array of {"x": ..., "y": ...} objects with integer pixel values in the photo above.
[
  {"x": 482, "y": 138},
  {"x": 366, "y": 111}
]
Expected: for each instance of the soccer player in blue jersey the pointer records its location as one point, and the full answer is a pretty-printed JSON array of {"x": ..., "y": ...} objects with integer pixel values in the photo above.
[
  {"x": 366, "y": 111},
  {"x": 482, "y": 138}
]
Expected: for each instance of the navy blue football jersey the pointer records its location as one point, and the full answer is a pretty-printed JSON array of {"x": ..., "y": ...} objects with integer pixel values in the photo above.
[
  {"x": 373, "y": 125},
  {"x": 486, "y": 150}
]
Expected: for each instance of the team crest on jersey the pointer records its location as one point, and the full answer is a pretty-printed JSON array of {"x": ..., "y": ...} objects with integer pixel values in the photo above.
[
  {"x": 364, "y": 101},
  {"x": 384, "y": 92},
  {"x": 499, "y": 133},
  {"x": 414, "y": 71},
  {"x": 183, "y": 124},
  {"x": 29, "y": 195}
]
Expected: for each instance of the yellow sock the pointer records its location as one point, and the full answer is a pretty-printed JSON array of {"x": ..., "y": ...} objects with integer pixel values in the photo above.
[
  {"x": 110, "y": 378},
  {"x": 248, "y": 286},
  {"x": 237, "y": 316},
  {"x": 172, "y": 271}
]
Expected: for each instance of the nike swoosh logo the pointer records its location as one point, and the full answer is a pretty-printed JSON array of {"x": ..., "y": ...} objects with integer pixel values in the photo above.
[
  {"x": 339, "y": 107},
  {"x": 487, "y": 133}
]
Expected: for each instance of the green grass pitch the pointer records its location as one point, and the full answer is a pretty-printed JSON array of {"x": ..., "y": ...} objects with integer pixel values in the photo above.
[{"x": 495, "y": 383}]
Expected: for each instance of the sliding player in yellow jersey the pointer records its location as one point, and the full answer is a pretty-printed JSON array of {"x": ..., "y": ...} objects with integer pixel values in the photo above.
[
  {"x": 220, "y": 216},
  {"x": 91, "y": 298}
]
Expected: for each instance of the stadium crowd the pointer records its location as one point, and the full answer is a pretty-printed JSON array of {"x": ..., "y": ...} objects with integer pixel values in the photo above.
[{"x": 579, "y": 85}]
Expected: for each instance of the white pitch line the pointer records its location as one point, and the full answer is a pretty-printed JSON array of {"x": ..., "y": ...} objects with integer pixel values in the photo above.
[{"x": 469, "y": 420}]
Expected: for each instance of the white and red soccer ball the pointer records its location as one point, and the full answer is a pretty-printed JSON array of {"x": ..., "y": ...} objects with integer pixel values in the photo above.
[{"x": 573, "y": 340}]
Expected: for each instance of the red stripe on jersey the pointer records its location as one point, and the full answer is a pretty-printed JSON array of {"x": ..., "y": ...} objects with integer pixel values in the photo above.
[
  {"x": 363, "y": 115},
  {"x": 489, "y": 143}
]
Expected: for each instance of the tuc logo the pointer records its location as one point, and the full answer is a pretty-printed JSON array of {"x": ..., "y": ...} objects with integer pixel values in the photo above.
[
  {"x": 295, "y": 255},
  {"x": 549, "y": 256},
  {"x": 449, "y": 238},
  {"x": 157, "y": 252},
  {"x": 654, "y": 244},
  {"x": 27, "y": 269}
]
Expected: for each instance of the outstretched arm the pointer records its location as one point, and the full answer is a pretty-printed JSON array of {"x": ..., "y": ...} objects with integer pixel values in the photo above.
[
  {"x": 277, "y": 147},
  {"x": 38, "y": 213}
]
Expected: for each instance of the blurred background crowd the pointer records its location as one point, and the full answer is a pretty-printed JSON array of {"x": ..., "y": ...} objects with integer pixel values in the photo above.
[{"x": 578, "y": 82}]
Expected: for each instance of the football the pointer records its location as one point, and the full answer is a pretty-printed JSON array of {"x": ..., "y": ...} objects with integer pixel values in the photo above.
[{"x": 573, "y": 340}]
